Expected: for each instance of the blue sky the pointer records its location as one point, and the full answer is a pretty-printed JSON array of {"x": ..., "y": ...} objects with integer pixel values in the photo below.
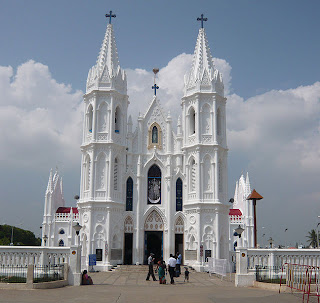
[{"x": 269, "y": 53}]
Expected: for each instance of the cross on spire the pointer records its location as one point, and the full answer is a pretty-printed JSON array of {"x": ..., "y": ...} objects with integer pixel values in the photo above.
[
  {"x": 110, "y": 16},
  {"x": 155, "y": 87},
  {"x": 202, "y": 19}
]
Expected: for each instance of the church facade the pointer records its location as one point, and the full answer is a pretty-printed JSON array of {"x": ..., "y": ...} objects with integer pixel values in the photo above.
[{"x": 158, "y": 188}]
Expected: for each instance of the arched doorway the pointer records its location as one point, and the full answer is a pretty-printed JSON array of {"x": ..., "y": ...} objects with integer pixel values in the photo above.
[
  {"x": 128, "y": 240},
  {"x": 153, "y": 238}
]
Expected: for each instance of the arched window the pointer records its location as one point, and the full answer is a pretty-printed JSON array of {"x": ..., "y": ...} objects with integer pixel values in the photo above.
[
  {"x": 61, "y": 231},
  {"x": 129, "y": 194},
  {"x": 192, "y": 121},
  {"x": 154, "y": 134},
  {"x": 61, "y": 243},
  {"x": 100, "y": 171},
  {"x": 117, "y": 118},
  {"x": 154, "y": 185},
  {"x": 103, "y": 118},
  {"x": 179, "y": 195},
  {"x": 115, "y": 174},
  {"x": 89, "y": 118}
]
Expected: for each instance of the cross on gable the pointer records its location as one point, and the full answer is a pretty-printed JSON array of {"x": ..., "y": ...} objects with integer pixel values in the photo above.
[
  {"x": 202, "y": 19},
  {"x": 110, "y": 16},
  {"x": 155, "y": 87}
]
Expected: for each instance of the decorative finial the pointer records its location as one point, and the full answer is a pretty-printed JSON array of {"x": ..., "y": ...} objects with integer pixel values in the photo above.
[
  {"x": 110, "y": 16},
  {"x": 155, "y": 87},
  {"x": 202, "y": 19}
]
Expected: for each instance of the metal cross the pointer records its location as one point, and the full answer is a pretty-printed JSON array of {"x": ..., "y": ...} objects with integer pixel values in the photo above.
[
  {"x": 155, "y": 87},
  {"x": 202, "y": 19},
  {"x": 110, "y": 16}
]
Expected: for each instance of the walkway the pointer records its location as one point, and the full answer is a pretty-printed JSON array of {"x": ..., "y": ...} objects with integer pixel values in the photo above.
[{"x": 131, "y": 287}]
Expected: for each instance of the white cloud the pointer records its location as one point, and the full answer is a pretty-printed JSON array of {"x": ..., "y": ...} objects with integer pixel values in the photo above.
[{"x": 40, "y": 119}]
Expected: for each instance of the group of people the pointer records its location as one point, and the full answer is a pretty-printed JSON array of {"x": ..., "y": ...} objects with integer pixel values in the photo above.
[{"x": 174, "y": 268}]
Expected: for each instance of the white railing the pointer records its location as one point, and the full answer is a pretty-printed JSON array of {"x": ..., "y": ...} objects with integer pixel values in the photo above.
[
  {"x": 37, "y": 255},
  {"x": 235, "y": 219},
  {"x": 278, "y": 257},
  {"x": 65, "y": 217}
]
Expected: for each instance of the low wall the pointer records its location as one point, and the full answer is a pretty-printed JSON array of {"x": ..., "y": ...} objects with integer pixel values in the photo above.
[{"x": 43, "y": 285}]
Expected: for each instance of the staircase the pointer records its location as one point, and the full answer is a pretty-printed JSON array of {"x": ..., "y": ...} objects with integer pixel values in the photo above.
[{"x": 131, "y": 268}]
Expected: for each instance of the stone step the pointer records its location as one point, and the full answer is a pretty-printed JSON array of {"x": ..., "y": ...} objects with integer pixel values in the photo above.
[{"x": 139, "y": 268}]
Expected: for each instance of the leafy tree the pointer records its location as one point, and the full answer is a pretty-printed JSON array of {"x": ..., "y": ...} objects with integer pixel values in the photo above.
[
  {"x": 313, "y": 238},
  {"x": 20, "y": 236}
]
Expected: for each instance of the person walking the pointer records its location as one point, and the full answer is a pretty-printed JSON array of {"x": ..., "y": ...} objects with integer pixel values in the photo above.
[
  {"x": 179, "y": 261},
  {"x": 150, "y": 263},
  {"x": 172, "y": 262}
]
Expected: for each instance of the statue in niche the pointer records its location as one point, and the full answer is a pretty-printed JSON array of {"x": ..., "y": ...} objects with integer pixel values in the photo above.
[
  {"x": 154, "y": 134},
  {"x": 154, "y": 192}
]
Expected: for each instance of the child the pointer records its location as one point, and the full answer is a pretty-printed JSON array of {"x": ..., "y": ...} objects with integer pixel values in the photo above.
[{"x": 186, "y": 275}]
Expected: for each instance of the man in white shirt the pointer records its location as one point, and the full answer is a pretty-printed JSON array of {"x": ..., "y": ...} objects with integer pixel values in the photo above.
[
  {"x": 150, "y": 263},
  {"x": 171, "y": 267}
]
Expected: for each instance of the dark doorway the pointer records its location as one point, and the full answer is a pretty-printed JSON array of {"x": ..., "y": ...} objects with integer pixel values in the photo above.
[
  {"x": 153, "y": 243},
  {"x": 178, "y": 244},
  {"x": 128, "y": 241}
]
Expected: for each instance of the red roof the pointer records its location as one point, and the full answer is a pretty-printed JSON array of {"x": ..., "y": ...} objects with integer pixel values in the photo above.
[
  {"x": 64, "y": 210},
  {"x": 235, "y": 212}
]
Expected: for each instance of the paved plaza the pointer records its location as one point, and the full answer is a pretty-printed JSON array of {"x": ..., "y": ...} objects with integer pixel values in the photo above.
[{"x": 120, "y": 287}]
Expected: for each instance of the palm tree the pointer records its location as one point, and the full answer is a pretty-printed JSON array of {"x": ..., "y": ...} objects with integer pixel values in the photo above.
[{"x": 313, "y": 238}]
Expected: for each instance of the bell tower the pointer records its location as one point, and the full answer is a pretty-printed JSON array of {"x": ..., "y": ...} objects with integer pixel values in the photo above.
[
  {"x": 204, "y": 143},
  {"x": 103, "y": 152}
]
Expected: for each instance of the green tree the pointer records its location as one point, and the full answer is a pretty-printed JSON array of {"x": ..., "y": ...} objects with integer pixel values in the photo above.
[
  {"x": 313, "y": 238},
  {"x": 20, "y": 236}
]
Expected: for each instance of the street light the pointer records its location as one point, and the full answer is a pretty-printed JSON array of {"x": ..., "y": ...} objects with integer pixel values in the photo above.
[
  {"x": 239, "y": 230},
  {"x": 45, "y": 238},
  {"x": 77, "y": 228},
  {"x": 270, "y": 242}
]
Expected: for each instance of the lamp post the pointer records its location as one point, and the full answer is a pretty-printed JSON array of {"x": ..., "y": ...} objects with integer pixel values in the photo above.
[
  {"x": 45, "y": 238},
  {"x": 77, "y": 228},
  {"x": 239, "y": 230},
  {"x": 254, "y": 196},
  {"x": 270, "y": 242}
]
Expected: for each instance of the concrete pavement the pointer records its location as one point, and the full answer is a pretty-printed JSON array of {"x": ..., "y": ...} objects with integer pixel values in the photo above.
[{"x": 120, "y": 287}]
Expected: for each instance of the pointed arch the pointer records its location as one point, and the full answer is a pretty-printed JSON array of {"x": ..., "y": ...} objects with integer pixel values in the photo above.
[
  {"x": 115, "y": 242},
  {"x": 159, "y": 211},
  {"x": 101, "y": 171},
  {"x": 154, "y": 135},
  {"x": 89, "y": 117},
  {"x": 179, "y": 225},
  {"x": 206, "y": 119},
  {"x": 103, "y": 117},
  {"x": 117, "y": 120},
  {"x": 154, "y": 222},
  {"x": 207, "y": 174},
  {"x": 128, "y": 225},
  {"x": 191, "y": 121},
  {"x": 129, "y": 194},
  {"x": 61, "y": 243},
  {"x": 154, "y": 185},
  {"x": 179, "y": 194}
]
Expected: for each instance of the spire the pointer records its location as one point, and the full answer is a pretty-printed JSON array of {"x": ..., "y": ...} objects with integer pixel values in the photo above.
[
  {"x": 203, "y": 76},
  {"x": 50, "y": 185},
  {"x": 107, "y": 74}
]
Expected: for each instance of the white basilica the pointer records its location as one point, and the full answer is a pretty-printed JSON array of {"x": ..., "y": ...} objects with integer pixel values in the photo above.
[{"x": 150, "y": 189}]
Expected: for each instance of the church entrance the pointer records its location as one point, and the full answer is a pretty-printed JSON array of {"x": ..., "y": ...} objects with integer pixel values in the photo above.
[
  {"x": 178, "y": 244},
  {"x": 128, "y": 241},
  {"x": 153, "y": 244}
]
